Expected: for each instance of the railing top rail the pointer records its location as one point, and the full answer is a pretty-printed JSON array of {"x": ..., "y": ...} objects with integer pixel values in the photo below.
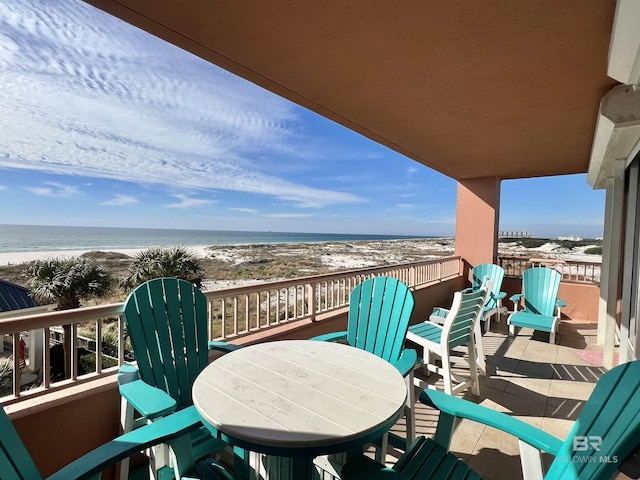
[
  {"x": 547, "y": 260},
  {"x": 61, "y": 317},
  {"x": 270, "y": 285}
]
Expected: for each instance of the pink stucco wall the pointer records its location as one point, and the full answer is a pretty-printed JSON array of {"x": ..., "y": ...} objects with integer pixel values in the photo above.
[{"x": 477, "y": 220}]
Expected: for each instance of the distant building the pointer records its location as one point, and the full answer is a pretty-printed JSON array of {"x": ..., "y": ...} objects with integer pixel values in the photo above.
[
  {"x": 522, "y": 234},
  {"x": 14, "y": 297}
]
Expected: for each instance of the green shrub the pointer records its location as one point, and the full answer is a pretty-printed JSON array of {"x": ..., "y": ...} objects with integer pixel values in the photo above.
[{"x": 593, "y": 251}]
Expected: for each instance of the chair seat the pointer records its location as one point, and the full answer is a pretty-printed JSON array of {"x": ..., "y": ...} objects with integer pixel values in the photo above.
[
  {"x": 532, "y": 320},
  {"x": 424, "y": 460},
  {"x": 425, "y": 331}
]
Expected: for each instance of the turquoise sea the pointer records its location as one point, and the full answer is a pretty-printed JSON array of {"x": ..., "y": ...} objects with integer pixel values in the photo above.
[{"x": 38, "y": 238}]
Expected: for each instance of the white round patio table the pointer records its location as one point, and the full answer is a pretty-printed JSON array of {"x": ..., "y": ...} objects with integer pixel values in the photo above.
[{"x": 297, "y": 399}]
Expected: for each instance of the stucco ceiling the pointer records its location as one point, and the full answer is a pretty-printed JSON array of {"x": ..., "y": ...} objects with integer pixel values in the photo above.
[{"x": 471, "y": 88}]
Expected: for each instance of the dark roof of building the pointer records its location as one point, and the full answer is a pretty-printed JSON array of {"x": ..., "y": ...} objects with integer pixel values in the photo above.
[{"x": 14, "y": 297}]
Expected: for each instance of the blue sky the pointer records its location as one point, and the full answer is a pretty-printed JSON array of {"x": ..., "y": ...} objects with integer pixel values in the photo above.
[{"x": 102, "y": 124}]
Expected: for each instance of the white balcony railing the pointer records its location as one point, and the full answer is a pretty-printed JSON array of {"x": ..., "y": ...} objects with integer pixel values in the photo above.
[
  {"x": 233, "y": 312},
  {"x": 572, "y": 271}
]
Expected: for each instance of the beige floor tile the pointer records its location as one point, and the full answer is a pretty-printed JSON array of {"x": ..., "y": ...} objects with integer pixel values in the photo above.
[
  {"x": 540, "y": 352},
  {"x": 570, "y": 389},
  {"x": 529, "y": 387},
  {"x": 577, "y": 373},
  {"x": 533, "y": 406},
  {"x": 557, "y": 426},
  {"x": 563, "y": 408},
  {"x": 496, "y": 456},
  {"x": 466, "y": 436},
  {"x": 535, "y": 369}
]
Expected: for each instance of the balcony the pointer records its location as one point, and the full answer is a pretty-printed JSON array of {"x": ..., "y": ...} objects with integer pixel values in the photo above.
[{"x": 544, "y": 384}]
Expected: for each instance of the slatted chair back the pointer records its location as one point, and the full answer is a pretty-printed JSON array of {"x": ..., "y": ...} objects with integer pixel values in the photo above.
[
  {"x": 492, "y": 272},
  {"x": 167, "y": 323},
  {"x": 607, "y": 430},
  {"x": 540, "y": 288},
  {"x": 379, "y": 312},
  {"x": 15, "y": 461},
  {"x": 465, "y": 312}
]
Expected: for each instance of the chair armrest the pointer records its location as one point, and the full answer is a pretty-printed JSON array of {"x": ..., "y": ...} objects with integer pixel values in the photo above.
[
  {"x": 439, "y": 312},
  {"x": 501, "y": 295},
  {"x": 330, "y": 337},
  {"x": 407, "y": 361},
  {"x": 460, "y": 408},
  {"x": 150, "y": 402},
  {"x": 223, "y": 347},
  {"x": 166, "y": 429},
  {"x": 516, "y": 299},
  {"x": 561, "y": 303}
]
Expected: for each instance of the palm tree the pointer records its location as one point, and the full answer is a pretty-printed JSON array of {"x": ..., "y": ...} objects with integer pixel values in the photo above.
[
  {"x": 66, "y": 282},
  {"x": 158, "y": 262}
]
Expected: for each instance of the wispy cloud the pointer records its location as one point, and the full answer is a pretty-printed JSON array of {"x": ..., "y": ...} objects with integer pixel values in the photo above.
[
  {"x": 3, "y": 187},
  {"x": 54, "y": 189},
  {"x": 85, "y": 94},
  {"x": 187, "y": 202},
  {"x": 121, "y": 200},
  {"x": 245, "y": 210},
  {"x": 290, "y": 215},
  {"x": 406, "y": 205}
]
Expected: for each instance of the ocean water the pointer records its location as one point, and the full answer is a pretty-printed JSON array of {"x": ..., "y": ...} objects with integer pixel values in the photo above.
[{"x": 38, "y": 238}]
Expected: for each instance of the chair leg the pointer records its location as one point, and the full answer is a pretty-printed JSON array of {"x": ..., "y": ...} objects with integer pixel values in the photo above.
[
  {"x": 409, "y": 410},
  {"x": 447, "y": 375},
  {"x": 478, "y": 349},
  {"x": 552, "y": 337},
  {"x": 512, "y": 330},
  {"x": 473, "y": 369},
  {"x": 126, "y": 424}
]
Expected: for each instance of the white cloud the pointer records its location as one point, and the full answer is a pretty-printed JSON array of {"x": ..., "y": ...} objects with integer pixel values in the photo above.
[
  {"x": 3, "y": 187},
  {"x": 85, "y": 94},
  {"x": 54, "y": 189},
  {"x": 121, "y": 200},
  {"x": 406, "y": 205},
  {"x": 245, "y": 210},
  {"x": 187, "y": 202}
]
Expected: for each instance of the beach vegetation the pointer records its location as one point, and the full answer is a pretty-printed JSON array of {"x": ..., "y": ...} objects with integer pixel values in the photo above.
[
  {"x": 66, "y": 282},
  {"x": 157, "y": 262}
]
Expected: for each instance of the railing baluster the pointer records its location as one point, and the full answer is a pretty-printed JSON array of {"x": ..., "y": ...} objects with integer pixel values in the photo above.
[
  {"x": 99, "y": 346},
  {"x": 46, "y": 358}
]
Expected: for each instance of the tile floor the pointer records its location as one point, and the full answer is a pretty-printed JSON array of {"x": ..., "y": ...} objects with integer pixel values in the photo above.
[{"x": 542, "y": 384}]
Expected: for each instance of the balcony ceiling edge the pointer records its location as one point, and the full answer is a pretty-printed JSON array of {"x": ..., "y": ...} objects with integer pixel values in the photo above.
[{"x": 617, "y": 135}]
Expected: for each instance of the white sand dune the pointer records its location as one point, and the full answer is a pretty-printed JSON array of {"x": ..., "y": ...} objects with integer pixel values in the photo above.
[{"x": 338, "y": 255}]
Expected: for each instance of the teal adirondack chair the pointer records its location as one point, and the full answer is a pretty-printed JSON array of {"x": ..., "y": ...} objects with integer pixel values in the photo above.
[
  {"x": 167, "y": 320},
  {"x": 541, "y": 303},
  {"x": 380, "y": 309},
  {"x": 494, "y": 274},
  {"x": 17, "y": 464},
  {"x": 604, "y": 439},
  {"x": 459, "y": 329}
]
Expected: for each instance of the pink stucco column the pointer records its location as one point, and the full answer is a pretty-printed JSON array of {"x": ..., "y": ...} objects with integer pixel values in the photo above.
[{"x": 477, "y": 216}]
